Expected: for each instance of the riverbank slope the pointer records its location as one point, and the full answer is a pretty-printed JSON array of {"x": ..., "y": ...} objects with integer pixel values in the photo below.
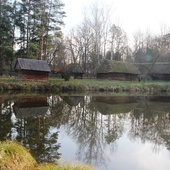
[{"x": 84, "y": 85}]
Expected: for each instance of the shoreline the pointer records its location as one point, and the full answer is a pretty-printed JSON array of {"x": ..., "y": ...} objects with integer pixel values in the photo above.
[{"x": 82, "y": 86}]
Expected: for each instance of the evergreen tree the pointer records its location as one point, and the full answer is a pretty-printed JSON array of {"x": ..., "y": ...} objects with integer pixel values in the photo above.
[
  {"x": 6, "y": 33},
  {"x": 38, "y": 21}
]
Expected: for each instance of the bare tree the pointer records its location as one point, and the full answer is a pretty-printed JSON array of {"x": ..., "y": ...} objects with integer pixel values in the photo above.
[
  {"x": 98, "y": 20},
  {"x": 118, "y": 42}
]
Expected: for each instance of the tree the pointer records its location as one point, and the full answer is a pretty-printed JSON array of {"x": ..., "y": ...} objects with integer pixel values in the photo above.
[
  {"x": 87, "y": 42},
  {"x": 6, "y": 33},
  {"x": 118, "y": 42},
  {"x": 57, "y": 56},
  {"x": 38, "y": 22},
  {"x": 98, "y": 22}
]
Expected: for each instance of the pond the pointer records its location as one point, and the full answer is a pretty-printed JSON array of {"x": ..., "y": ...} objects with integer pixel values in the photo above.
[{"x": 107, "y": 131}]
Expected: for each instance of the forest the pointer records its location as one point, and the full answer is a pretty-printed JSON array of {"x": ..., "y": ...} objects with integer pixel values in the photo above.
[{"x": 34, "y": 29}]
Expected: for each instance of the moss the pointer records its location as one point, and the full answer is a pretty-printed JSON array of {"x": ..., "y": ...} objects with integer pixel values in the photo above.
[{"x": 117, "y": 67}]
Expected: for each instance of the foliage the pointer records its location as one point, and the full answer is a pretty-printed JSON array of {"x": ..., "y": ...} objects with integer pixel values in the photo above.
[
  {"x": 27, "y": 28},
  {"x": 6, "y": 33}
]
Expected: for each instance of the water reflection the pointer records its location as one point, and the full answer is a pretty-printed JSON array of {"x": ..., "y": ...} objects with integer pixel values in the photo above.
[
  {"x": 95, "y": 123},
  {"x": 24, "y": 119},
  {"x": 28, "y": 106}
]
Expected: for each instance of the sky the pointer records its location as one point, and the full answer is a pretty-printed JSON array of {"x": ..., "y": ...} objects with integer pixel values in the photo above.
[{"x": 131, "y": 15}]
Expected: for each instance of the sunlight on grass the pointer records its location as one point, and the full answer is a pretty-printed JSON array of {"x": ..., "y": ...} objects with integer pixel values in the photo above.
[{"x": 13, "y": 156}]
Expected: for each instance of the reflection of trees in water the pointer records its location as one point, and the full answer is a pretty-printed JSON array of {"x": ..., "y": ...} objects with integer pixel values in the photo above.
[
  {"x": 6, "y": 124},
  {"x": 150, "y": 121},
  {"x": 95, "y": 123},
  {"x": 33, "y": 128},
  {"x": 32, "y": 133},
  {"x": 92, "y": 130}
]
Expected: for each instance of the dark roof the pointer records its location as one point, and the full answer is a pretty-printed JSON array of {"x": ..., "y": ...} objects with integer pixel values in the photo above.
[
  {"x": 157, "y": 68},
  {"x": 31, "y": 64},
  {"x": 74, "y": 68},
  {"x": 112, "y": 66}
]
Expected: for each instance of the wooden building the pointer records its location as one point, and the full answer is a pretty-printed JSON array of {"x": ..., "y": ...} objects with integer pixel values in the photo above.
[
  {"x": 74, "y": 70},
  {"x": 117, "y": 70},
  {"x": 30, "y": 69},
  {"x": 157, "y": 71}
]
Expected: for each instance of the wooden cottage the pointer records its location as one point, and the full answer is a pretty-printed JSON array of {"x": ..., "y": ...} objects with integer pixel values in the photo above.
[
  {"x": 74, "y": 70},
  {"x": 117, "y": 70},
  {"x": 30, "y": 69},
  {"x": 157, "y": 71}
]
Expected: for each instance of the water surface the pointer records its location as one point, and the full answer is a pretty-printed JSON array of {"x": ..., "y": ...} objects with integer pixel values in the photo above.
[{"x": 109, "y": 132}]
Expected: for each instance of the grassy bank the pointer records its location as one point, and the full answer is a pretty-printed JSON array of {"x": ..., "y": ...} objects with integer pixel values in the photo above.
[
  {"x": 85, "y": 85},
  {"x": 15, "y": 157}
]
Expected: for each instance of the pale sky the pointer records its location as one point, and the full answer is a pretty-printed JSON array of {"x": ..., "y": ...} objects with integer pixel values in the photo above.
[{"x": 132, "y": 15}]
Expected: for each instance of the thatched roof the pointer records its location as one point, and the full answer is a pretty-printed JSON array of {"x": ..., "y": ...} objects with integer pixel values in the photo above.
[
  {"x": 31, "y": 64},
  {"x": 112, "y": 66},
  {"x": 73, "y": 68},
  {"x": 157, "y": 68}
]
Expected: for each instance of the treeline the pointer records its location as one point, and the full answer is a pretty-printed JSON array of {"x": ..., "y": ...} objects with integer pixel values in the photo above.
[
  {"x": 27, "y": 28},
  {"x": 33, "y": 29},
  {"x": 98, "y": 38}
]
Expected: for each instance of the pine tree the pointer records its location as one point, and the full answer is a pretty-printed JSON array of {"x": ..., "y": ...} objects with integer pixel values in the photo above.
[
  {"x": 6, "y": 33},
  {"x": 38, "y": 21}
]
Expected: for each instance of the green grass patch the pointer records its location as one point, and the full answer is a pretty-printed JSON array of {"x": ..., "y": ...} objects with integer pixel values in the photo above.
[{"x": 83, "y": 85}]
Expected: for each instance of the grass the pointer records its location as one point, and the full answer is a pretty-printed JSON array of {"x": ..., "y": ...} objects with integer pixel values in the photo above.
[
  {"x": 78, "y": 85},
  {"x": 15, "y": 157}
]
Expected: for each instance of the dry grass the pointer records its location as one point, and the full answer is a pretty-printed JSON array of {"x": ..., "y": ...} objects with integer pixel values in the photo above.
[{"x": 15, "y": 157}]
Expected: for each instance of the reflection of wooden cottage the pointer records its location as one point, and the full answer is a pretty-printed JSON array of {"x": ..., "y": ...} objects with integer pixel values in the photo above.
[
  {"x": 30, "y": 106},
  {"x": 73, "y": 100},
  {"x": 117, "y": 70},
  {"x": 74, "y": 70},
  {"x": 157, "y": 71},
  {"x": 30, "y": 69},
  {"x": 115, "y": 104},
  {"x": 153, "y": 104}
]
